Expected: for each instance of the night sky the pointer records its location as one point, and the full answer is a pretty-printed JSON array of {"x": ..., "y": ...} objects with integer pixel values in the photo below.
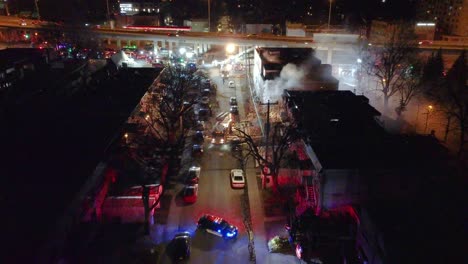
[{"x": 357, "y": 10}]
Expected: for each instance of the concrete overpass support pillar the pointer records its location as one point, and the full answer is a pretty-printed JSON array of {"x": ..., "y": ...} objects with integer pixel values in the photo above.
[
  {"x": 174, "y": 46},
  {"x": 138, "y": 43},
  {"x": 208, "y": 47},
  {"x": 119, "y": 43},
  {"x": 108, "y": 41},
  {"x": 159, "y": 43},
  {"x": 329, "y": 55}
]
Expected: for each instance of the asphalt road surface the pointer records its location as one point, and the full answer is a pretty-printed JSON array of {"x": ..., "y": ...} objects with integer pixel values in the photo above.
[{"x": 215, "y": 197}]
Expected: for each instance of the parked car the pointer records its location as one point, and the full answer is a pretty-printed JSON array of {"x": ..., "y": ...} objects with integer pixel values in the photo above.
[
  {"x": 200, "y": 126},
  {"x": 203, "y": 114},
  {"x": 206, "y": 92},
  {"x": 198, "y": 137},
  {"x": 197, "y": 150},
  {"x": 237, "y": 178},
  {"x": 190, "y": 193},
  {"x": 233, "y": 101},
  {"x": 204, "y": 101},
  {"x": 193, "y": 175},
  {"x": 181, "y": 246},
  {"x": 234, "y": 110},
  {"x": 231, "y": 84},
  {"x": 217, "y": 226}
]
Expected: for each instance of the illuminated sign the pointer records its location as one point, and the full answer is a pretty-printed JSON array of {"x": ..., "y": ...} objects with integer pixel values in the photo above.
[
  {"x": 425, "y": 24},
  {"x": 124, "y": 8}
]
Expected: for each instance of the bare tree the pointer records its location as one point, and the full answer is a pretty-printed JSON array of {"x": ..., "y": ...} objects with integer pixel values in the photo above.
[
  {"x": 433, "y": 80},
  {"x": 167, "y": 115},
  {"x": 410, "y": 85},
  {"x": 167, "y": 124},
  {"x": 281, "y": 139},
  {"x": 452, "y": 98},
  {"x": 388, "y": 63}
]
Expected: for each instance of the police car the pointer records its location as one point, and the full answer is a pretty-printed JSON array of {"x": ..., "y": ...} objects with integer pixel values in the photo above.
[{"x": 217, "y": 226}]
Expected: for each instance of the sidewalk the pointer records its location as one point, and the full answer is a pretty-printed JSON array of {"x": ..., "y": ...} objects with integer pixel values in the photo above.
[{"x": 264, "y": 227}]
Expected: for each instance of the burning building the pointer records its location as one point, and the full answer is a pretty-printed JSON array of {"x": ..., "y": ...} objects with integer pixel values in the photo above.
[{"x": 277, "y": 69}]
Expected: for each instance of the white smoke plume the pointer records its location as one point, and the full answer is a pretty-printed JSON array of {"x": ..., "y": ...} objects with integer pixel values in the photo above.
[{"x": 290, "y": 77}]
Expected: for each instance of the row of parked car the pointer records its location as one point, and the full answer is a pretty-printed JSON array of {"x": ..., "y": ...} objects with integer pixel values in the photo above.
[
  {"x": 202, "y": 113},
  {"x": 208, "y": 223}
]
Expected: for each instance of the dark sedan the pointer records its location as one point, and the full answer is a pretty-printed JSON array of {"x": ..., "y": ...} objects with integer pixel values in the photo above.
[{"x": 181, "y": 246}]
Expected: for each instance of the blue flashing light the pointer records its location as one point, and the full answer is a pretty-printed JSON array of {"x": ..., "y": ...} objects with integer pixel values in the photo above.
[
  {"x": 230, "y": 234},
  {"x": 219, "y": 230}
]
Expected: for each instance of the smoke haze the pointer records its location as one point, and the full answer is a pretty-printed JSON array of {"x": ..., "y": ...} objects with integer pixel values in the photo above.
[{"x": 291, "y": 76}]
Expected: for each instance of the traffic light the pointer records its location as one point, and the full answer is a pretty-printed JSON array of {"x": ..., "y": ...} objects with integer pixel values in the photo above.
[{"x": 26, "y": 36}]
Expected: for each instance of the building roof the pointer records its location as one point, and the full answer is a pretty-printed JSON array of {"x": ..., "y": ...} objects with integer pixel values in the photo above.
[
  {"x": 311, "y": 73},
  {"x": 340, "y": 126},
  {"x": 51, "y": 144},
  {"x": 284, "y": 56}
]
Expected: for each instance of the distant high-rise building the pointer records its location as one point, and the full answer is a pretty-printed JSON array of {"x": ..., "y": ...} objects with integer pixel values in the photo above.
[
  {"x": 133, "y": 7},
  {"x": 451, "y": 16}
]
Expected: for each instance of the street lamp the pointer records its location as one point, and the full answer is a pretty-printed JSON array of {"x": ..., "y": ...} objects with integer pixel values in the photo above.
[
  {"x": 37, "y": 9},
  {"x": 329, "y": 15},
  {"x": 7, "y": 11},
  {"x": 108, "y": 14},
  {"x": 209, "y": 16},
  {"x": 126, "y": 138},
  {"x": 230, "y": 48},
  {"x": 430, "y": 108}
]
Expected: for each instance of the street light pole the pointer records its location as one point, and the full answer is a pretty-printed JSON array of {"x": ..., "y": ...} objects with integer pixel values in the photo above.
[
  {"x": 6, "y": 8},
  {"x": 37, "y": 9},
  {"x": 108, "y": 16},
  {"x": 329, "y": 15},
  {"x": 209, "y": 16},
  {"x": 429, "y": 110}
]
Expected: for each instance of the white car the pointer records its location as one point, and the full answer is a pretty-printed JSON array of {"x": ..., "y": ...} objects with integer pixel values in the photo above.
[
  {"x": 237, "y": 178},
  {"x": 231, "y": 84}
]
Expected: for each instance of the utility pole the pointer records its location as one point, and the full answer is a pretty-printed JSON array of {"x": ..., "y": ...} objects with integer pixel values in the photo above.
[
  {"x": 6, "y": 7},
  {"x": 37, "y": 9},
  {"x": 329, "y": 16},
  {"x": 108, "y": 14},
  {"x": 267, "y": 126},
  {"x": 209, "y": 16}
]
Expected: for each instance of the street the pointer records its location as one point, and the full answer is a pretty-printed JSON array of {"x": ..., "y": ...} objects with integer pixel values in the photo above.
[{"x": 215, "y": 197}]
